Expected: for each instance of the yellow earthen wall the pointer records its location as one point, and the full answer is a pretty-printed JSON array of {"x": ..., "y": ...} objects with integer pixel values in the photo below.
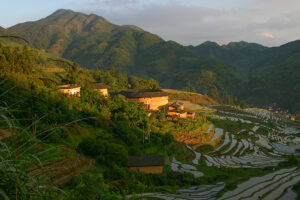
[
  {"x": 181, "y": 115},
  {"x": 148, "y": 170},
  {"x": 104, "y": 92},
  {"x": 153, "y": 103},
  {"x": 73, "y": 91}
]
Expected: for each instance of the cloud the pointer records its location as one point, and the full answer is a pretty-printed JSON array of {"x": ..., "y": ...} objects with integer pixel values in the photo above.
[
  {"x": 193, "y": 23},
  {"x": 267, "y": 35}
]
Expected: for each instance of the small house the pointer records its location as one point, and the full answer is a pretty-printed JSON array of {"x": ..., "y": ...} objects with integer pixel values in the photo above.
[
  {"x": 70, "y": 90},
  {"x": 153, "y": 100},
  {"x": 152, "y": 164},
  {"x": 178, "y": 113},
  {"x": 190, "y": 115},
  {"x": 101, "y": 88},
  {"x": 176, "y": 106},
  {"x": 293, "y": 117}
]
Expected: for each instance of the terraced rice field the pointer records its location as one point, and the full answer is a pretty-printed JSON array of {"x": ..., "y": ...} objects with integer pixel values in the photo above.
[
  {"x": 245, "y": 149},
  {"x": 276, "y": 185},
  {"x": 242, "y": 151},
  {"x": 233, "y": 151},
  {"x": 203, "y": 192},
  {"x": 177, "y": 166},
  {"x": 271, "y": 186}
]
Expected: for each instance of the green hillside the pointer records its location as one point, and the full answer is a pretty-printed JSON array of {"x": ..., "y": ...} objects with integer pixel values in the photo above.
[
  {"x": 93, "y": 42},
  {"x": 275, "y": 77},
  {"x": 238, "y": 54},
  {"x": 55, "y": 147},
  {"x": 3, "y": 31},
  {"x": 273, "y": 73}
]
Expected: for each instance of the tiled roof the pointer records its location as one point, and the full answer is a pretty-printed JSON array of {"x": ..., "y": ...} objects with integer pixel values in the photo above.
[
  {"x": 69, "y": 86},
  {"x": 133, "y": 93},
  {"x": 142, "y": 161},
  {"x": 99, "y": 85}
]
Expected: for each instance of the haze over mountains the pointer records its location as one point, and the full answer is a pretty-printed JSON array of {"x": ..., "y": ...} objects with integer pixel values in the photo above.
[{"x": 251, "y": 71}]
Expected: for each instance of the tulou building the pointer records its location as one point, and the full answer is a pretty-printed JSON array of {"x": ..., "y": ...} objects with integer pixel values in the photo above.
[
  {"x": 147, "y": 164},
  {"x": 153, "y": 99},
  {"x": 101, "y": 88},
  {"x": 70, "y": 90}
]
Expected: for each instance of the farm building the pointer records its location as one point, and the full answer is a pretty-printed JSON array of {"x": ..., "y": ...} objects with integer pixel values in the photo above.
[
  {"x": 101, "y": 88},
  {"x": 152, "y": 99},
  {"x": 147, "y": 164},
  {"x": 70, "y": 89},
  {"x": 190, "y": 115},
  {"x": 176, "y": 106},
  {"x": 293, "y": 117},
  {"x": 176, "y": 112}
]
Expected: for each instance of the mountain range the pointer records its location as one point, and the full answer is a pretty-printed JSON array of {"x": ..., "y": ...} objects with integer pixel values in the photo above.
[
  {"x": 273, "y": 74},
  {"x": 259, "y": 74}
]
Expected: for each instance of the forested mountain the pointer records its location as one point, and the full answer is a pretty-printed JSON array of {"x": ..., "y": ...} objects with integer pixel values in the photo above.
[
  {"x": 273, "y": 73},
  {"x": 241, "y": 55},
  {"x": 2, "y": 30},
  {"x": 275, "y": 77},
  {"x": 93, "y": 42}
]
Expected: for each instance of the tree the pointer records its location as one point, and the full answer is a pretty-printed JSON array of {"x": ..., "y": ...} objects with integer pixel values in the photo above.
[
  {"x": 117, "y": 154},
  {"x": 214, "y": 93}
]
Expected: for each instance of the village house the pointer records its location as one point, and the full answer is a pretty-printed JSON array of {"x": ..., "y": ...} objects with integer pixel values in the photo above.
[
  {"x": 70, "y": 90},
  {"x": 176, "y": 106},
  {"x": 152, "y": 164},
  {"x": 176, "y": 112},
  {"x": 190, "y": 115},
  {"x": 293, "y": 117},
  {"x": 101, "y": 88},
  {"x": 153, "y": 100}
]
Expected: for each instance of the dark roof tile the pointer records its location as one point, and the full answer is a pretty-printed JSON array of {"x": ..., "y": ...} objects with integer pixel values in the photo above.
[
  {"x": 69, "y": 86},
  {"x": 142, "y": 161},
  {"x": 133, "y": 93},
  {"x": 99, "y": 85}
]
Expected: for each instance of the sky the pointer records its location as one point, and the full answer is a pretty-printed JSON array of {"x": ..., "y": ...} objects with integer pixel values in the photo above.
[{"x": 189, "y": 22}]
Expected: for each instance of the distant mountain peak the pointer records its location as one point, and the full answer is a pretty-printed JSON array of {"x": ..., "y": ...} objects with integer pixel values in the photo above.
[
  {"x": 62, "y": 11},
  {"x": 133, "y": 27},
  {"x": 243, "y": 44},
  {"x": 240, "y": 44},
  {"x": 209, "y": 43}
]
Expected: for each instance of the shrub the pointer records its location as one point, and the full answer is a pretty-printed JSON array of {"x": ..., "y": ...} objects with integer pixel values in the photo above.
[{"x": 117, "y": 153}]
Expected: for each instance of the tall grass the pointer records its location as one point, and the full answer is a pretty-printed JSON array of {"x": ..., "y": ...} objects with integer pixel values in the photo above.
[{"x": 16, "y": 163}]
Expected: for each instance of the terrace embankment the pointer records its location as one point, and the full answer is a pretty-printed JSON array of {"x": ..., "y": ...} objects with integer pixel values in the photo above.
[{"x": 196, "y": 137}]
